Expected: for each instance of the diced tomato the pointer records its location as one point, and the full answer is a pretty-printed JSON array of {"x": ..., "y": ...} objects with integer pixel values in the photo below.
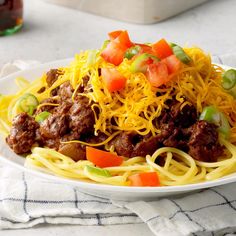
[
  {"x": 114, "y": 34},
  {"x": 115, "y": 50},
  {"x": 114, "y": 53},
  {"x": 162, "y": 49},
  {"x": 101, "y": 158},
  {"x": 145, "y": 179},
  {"x": 157, "y": 74},
  {"x": 146, "y": 49},
  {"x": 113, "y": 80},
  {"x": 173, "y": 63},
  {"x": 123, "y": 39}
]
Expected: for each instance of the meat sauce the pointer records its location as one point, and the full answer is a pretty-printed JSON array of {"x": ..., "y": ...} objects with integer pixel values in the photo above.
[{"x": 75, "y": 120}]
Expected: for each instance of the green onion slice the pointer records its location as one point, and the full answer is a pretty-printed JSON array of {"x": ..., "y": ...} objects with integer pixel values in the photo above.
[
  {"x": 233, "y": 91},
  {"x": 92, "y": 54},
  {"x": 27, "y": 103},
  {"x": 130, "y": 52},
  {"x": 172, "y": 45},
  {"x": 97, "y": 171},
  {"x": 228, "y": 79},
  {"x": 181, "y": 55},
  {"x": 105, "y": 43},
  {"x": 213, "y": 115},
  {"x": 42, "y": 116},
  {"x": 141, "y": 63}
]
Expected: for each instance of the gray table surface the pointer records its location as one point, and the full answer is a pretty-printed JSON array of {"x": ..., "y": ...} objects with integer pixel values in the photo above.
[{"x": 53, "y": 32}]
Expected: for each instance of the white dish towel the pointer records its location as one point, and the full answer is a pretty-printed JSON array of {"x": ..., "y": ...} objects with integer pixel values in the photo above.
[{"x": 26, "y": 201}]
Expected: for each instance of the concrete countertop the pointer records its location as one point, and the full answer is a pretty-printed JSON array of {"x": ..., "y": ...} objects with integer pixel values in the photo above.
[{"x": 53, "y": 32}]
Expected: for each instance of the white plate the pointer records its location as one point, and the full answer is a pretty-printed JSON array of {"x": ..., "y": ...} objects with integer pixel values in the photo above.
[{"x": 7, "y": 85}]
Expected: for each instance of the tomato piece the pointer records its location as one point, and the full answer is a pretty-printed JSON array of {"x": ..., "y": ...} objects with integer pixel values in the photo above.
[
  {"x": 114, "y": 34},
  {"x": 102, "y": 158},
  {"x": 157, "y": 74},
  {"x": 145, "y": 179},
  {"x": 162, "y": 49},
  {"x": 173, "y": 63},
  {"x": 113, "y": 80},
  {"x": 115, "y": 50},
  {"x": 123, "y": 39},
  {"x": 113, "y": 53},
  {"x": 146, "y": 49}
]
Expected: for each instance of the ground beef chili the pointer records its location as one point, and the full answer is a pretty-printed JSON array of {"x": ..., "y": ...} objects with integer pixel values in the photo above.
[
  {"x": 179, "y": 129},
  {"x": 147, "y": 146},
  {"x": 124, "y": 143},
  {"x": 81, "y": 116},
  {"x": 84, "y": 85},
  {"x": 23, "y": 133},
  {"x": 56, "y": 125},
  {"x": 52, "y": 129},
  {"x": 65, "y": 91},
  {"x": 74, "y": 150},
  {"x": 41, "y": 90},
  {"x": 203, "y": 143},
  {"x": 181, "y": 116},
  {"x": 52, "y": 76},
  {"x": 47, "y": 108},
  {"x": 74, "y": 120}
]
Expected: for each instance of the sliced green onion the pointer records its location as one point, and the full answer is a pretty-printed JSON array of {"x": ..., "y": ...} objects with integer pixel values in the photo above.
[
  {"x": 42, "y": 116},
  {"x": 97, "y": 171},
  {"x": 172, "y": 45},
  {"x": 141, "y": 63},
  {"x": 92, "y": 54},
  {"x": 233, "y": 91},
  {"x": 229, "y": 79},
  {"x": 213, "y": 115},
  {"x": 130, "y": 52},
  {"x": 27, "y": 103},
  {"x": 209, "y": 114},
  {"x": 181, "y": 55},
  {"x": 105, "y": 43}
]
